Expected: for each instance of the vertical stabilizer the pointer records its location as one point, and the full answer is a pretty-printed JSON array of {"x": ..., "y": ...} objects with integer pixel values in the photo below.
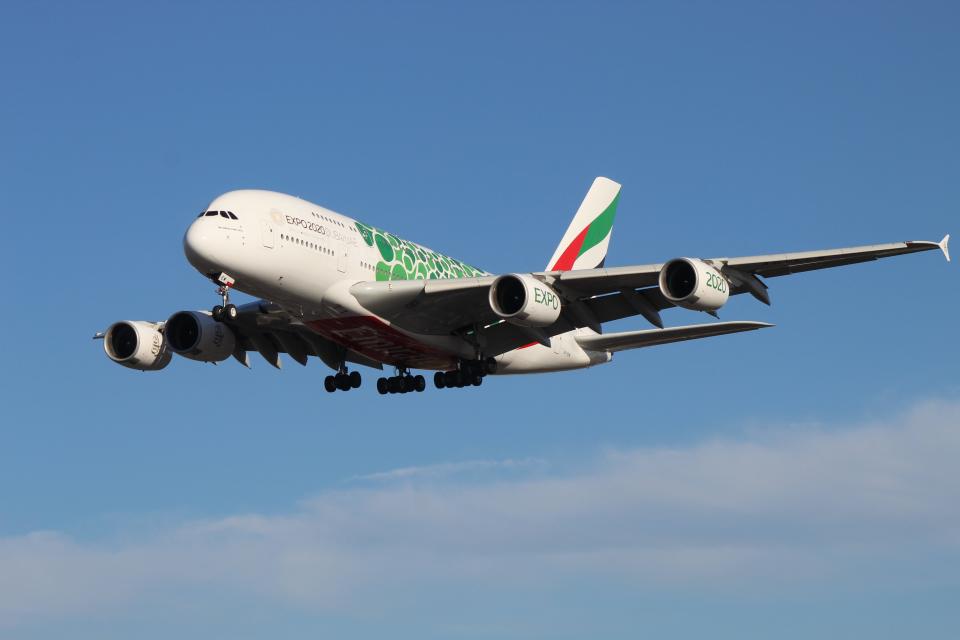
[{"x": 584, "y": 245}]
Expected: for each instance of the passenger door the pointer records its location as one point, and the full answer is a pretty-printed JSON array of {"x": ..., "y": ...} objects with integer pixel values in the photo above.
[{"x": 267, "y": 233}]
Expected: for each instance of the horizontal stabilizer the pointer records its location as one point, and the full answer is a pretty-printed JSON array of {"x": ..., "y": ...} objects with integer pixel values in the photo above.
[{"x": 636, "y": 339}]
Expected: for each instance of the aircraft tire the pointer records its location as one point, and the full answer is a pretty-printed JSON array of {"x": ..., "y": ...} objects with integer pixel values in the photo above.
[
  {"x": 438, "y": 380},
  {"x": 330, "y": 384},
  {"x": 230, "y": 313},
  {"x": 419, "y": 383},
  {"x": 217, "y": 313},
  {"x": 382, "y": 386},
  {"x": 355, "y": 379}
]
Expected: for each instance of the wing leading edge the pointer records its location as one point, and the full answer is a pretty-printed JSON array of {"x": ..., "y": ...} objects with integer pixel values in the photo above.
[{"x": 600, "y": 281}]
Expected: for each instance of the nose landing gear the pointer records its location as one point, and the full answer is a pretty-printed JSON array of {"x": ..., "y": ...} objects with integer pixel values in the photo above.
[{"x": 225, "y": 312}]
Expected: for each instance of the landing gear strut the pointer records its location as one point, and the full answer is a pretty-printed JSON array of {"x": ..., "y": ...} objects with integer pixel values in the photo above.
[
  {"x": 403, "y": 382},
  {"x": 225, "y": 312},
  {"x": 469, "y": 373},
  {"x": 343, "y": 381}
]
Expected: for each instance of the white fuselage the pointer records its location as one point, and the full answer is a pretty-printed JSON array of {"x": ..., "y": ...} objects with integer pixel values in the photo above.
[{"x": 305, "y": 258}]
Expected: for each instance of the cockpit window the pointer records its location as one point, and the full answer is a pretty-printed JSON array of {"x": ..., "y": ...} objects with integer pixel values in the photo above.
[{"x": 222, "y": 214}]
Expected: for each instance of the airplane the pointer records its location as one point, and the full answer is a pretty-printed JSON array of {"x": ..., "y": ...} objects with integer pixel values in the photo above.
[{"x": 350, "y": 293}]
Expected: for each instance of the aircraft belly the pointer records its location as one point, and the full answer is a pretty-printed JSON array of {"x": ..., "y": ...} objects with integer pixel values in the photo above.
[{"x": 375, "y": 339}]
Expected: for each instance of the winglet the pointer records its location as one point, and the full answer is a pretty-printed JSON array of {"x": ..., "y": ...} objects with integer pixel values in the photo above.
[{"x": 945, "y": 246}]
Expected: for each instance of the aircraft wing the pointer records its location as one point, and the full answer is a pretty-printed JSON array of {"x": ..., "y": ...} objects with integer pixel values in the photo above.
[
  {"x": 599, "y": 281},
  {"x": 264, "y": 327},
  {"x": 614, "y": 342},
  {"x": 593, "y": 296}
]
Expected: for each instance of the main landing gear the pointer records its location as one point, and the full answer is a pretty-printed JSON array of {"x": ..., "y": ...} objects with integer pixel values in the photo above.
[
  {"x": 342, "y": 381},
  {"x": 470, "y": 373},
  {"x": 403, "y": 382},
  {"x": 225, "y": 312}
]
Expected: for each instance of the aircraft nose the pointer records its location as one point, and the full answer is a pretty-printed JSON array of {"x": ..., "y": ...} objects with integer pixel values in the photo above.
[{"x": 198, "y": 244}]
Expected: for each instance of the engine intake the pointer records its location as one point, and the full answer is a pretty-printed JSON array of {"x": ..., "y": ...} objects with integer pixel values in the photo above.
[
  {"x": 136, "y": 344},
  {"x": 523, "y": 300},
  {"x": 693, "y": 284},
  {"x": 197, "y": 336}
]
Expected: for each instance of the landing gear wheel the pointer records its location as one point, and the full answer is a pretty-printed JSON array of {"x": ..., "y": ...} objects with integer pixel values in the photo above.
[
  {"x": 438, "y": 380},
  {"x": 343, "y": 381},
  {"x": 395, "y": 384},
  {"x": 230, "y": 313},
  {"x": 490, "y": 365},
  {"x": 330, "y": 384},
  {"x": 419, "y": 383},
  {"x": 450, "y": 379},
  {"x": 355, "y": 379},
  {"x": 217, "y": 313},
  {"x": 382, "y": 386},
  {"x": 477, "y": 380}
]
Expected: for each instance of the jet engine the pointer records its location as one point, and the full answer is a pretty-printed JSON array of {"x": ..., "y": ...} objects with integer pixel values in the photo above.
[
  {"x": 196, "y": 335},
  {"x": 694, "y": 284},
  {"x": 523, "y": 300},
  {"x": 136, "y": 344}
]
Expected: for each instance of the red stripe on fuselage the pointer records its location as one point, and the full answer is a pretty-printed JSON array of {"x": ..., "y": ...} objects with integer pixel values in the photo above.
[{"x": 379, "y": 341}]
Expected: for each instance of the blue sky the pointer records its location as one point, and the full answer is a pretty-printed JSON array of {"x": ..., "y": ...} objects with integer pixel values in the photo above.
[{"x": 794, "y": 482}]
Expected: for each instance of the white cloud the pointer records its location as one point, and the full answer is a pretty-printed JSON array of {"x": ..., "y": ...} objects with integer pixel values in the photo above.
[
  {"x": 810, "y": 505},
  {"x": 446, "y": 469}
]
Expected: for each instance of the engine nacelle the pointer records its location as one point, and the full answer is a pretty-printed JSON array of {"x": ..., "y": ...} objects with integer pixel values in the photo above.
[
  {"x": 524, "y": 300},
  {"x": 694, "y": 284},
  {"x": 136, "y": 344},
  {"x": 196, "y": 335}
]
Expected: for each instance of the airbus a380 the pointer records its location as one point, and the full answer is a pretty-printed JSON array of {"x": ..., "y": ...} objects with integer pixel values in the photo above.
[{"x": 350, "y": 293}]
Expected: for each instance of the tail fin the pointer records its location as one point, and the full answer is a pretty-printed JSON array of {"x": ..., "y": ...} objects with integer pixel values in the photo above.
[{"x": 584, "y": 245}]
